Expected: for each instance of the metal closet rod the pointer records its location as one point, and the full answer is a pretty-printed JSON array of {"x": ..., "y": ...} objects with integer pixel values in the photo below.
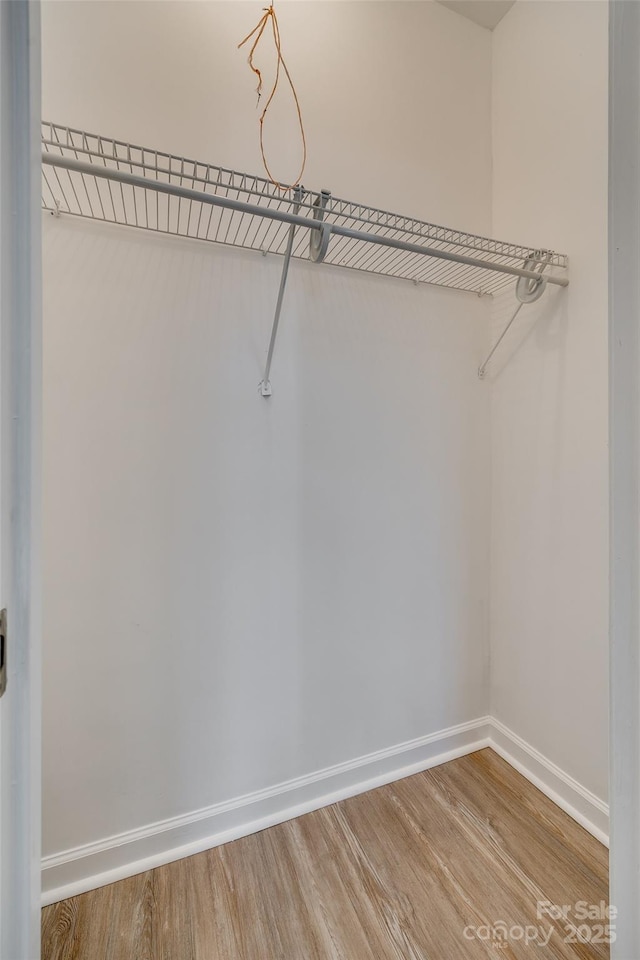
[{"x": 122, "y": 176}]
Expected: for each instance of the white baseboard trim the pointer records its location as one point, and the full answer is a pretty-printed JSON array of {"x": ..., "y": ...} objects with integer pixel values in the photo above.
[
  {"x": 587, "y": 809},
  {"x": 94, "y": 865}
]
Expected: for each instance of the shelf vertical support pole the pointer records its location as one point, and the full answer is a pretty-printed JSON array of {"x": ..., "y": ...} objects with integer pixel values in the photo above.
[{"x": 265, "y": 385}]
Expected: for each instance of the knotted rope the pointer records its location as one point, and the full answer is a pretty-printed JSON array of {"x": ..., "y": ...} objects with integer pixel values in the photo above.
[{"x": 270, "y": 15}]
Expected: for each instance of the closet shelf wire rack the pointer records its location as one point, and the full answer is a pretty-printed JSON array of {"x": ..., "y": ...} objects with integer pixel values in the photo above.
[{"x": 89, "y": 175}]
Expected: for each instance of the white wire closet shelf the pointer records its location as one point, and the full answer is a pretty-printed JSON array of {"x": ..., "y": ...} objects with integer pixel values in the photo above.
[
  {"x": 87, "y": 175},
  {"x": 92, "y": 176}
]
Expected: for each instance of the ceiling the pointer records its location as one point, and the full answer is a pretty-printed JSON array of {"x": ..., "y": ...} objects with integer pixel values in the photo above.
[{"x": 488, "y": 13}]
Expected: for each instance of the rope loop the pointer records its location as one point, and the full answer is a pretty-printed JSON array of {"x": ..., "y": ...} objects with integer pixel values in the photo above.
[{"x": 270, "y": 15}]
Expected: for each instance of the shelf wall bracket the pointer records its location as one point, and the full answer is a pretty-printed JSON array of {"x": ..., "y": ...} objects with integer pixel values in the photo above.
[
  {"x": 265, "y": 384},
  {"x": 319, "y": 239},
  {"x": 528, "y": 290}
]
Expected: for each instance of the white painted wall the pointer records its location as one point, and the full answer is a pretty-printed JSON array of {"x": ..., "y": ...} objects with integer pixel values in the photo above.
[
  {"x": 549, "y": 610},
  {"x": 237, "y": 591}
]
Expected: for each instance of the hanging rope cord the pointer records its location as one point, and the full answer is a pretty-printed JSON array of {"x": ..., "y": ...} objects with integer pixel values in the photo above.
[{"x": 270, "y": 15}]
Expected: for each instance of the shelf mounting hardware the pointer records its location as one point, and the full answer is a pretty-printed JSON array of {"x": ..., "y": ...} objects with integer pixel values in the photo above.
[
  {"x": 528, "y": 290},
  {"x": 265, "y": 385},
  {"x": 319, "y": 239}
]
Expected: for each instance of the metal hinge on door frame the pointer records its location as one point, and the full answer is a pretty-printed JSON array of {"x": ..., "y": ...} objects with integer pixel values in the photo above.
[{"x": 3, "y": 651}]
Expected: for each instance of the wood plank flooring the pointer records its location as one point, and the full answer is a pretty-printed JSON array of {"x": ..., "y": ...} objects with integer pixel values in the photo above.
[{"x": 422, "y": 869}]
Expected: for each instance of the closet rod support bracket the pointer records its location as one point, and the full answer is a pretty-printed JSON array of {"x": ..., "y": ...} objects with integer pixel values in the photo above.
[
  {"x": 319, "y": 239},
  {"x": 265, "y": 384},
  {"x": 528, "y": 290}
]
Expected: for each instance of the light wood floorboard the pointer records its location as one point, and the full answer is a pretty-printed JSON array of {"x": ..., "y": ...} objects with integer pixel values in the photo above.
[{"x": 394, "y": 874}]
